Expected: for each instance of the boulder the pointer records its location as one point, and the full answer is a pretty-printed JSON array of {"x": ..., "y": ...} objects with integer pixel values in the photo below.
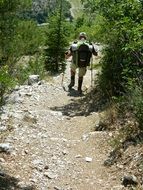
[
  {"x": 5, "y": 147},
  {"x": 129, "y": 180},
  {"x": 33, "y": 79}
]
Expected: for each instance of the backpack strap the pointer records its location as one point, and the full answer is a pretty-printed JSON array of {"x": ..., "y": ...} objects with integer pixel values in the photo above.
[{"x": 75, "y": 49}]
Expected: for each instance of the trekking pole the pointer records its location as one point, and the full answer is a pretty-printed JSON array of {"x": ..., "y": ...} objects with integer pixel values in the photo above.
[
  {"x": 91, "y": 71},
  {"x": 62, "y": 81},
  {"x": 63, "y": 75}
]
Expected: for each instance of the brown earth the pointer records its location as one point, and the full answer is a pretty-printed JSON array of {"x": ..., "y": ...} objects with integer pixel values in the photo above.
[{"x": 53, "y": 141}]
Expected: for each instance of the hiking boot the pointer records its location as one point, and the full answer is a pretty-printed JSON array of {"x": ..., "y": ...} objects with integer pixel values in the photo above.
[
  {"x": 80, "y": 92},
  {"x": 72, "y": 82},
  {"x": 80, "y": 80}
]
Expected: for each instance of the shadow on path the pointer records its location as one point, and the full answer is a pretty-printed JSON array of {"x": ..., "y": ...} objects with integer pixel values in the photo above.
[
  {"x": 84, "y": 105},
  {"x": 8, "y": 182}
]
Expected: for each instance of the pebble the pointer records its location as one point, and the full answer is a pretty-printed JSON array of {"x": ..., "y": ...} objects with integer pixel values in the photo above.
[
  {"x": 78, "y": 156},
  {"x": 88, "y": 159},
  {"x": 120, "y": 166},
  {"x": 2, "y": 160},
  {"x": 64, "y": 152},
  {"x": 50, "y": 175},
  {"x": 26, "y": 151},
  {"x": 85, "y": 137},
  {"x": 46, "y": 167},
  {"x": 38, "y": 162},
  {"x": 3, "y": 128},
  {"x": 110, "y": 134},
  {"x": 33, "y": 180},
  {"x": 57, "y": 188}
]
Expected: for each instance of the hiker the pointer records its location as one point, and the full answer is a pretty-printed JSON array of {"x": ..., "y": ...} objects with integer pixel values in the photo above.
[{"x": 81, "y": 52}]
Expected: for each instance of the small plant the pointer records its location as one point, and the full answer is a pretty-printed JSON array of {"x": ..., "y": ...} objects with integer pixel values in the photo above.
[
  {"x": 136, "y": 103},
  {"x": 35, "y": 66},
  {"x": 6, "y": 81}
]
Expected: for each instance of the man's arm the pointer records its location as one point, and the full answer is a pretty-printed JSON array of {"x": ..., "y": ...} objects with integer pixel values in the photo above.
[
  {"x": 94, "y": 52},
  {"x": 68, "y": 54}
]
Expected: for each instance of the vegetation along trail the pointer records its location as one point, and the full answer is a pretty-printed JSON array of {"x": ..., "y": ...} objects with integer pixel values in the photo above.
[
  {"x": 53, "y": 144},
  {"x": 53, "y": 139}
]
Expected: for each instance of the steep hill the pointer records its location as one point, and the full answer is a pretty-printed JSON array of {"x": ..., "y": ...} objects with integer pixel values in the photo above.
[
  {"x": 42, "y": 9},
  {"x": 76, "y": 8}
]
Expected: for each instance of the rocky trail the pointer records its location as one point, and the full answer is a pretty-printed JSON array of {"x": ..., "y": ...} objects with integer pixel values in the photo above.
[{"x": 50, "y": 141}]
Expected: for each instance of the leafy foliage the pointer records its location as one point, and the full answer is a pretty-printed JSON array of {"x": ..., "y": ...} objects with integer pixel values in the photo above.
[
  {"x": 18, "y": 37},
  {"x": 21, "y": 36},
  {"x": 29, "y": 37},
  {"x": 124, "y": 45},
  {"x": 8, "y": 22},
  {"x": 136, "y": 103},
  {"x": 6, "y": 81},
  {"x": 119, "y": 28},
  {"x": 122, "y": 63},
  {"x": 57, "y": 40},
  {"x": 35, "y": 65}
]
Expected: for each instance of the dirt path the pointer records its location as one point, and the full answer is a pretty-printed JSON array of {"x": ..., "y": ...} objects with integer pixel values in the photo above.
[{"x": 53, "y": 142}]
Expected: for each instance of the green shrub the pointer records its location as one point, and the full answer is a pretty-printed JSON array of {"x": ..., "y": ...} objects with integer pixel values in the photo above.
[
  {"x": 120, "y": 29},
  {"x": 57, "y": 40},
  {"x": 136, "y": 103},
  {"x": 35, "y": 65},
  {"x": 6, "y": 81},
  {"x": 29, "y": 37}
]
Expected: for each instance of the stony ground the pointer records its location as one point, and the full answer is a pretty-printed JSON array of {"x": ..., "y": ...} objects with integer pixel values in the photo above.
[{"x": 51, "y": 143}]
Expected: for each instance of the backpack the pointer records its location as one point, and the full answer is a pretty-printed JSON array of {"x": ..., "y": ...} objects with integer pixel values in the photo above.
[{"x": 82, "y": 53}]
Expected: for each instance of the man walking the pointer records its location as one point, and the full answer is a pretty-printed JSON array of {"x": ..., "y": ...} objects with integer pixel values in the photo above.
[{"x": 81, "y": 52}]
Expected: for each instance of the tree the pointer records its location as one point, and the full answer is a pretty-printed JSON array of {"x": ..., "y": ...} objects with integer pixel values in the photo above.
[
  {"x": 57, "y": 40},
  {"x": 122, "y": 64},
  {"x": 121, "y": 32},
  {"x": 9, "y": 11}
]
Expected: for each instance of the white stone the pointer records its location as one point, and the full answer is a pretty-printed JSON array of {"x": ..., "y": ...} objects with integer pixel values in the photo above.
[
  {"x": 3, "y": 128},
  {"x": 33, "y": 79},
  {"x": 110, "y": 134},
  {"x": 88, "y": 159},
  {"x": 85, "y": 137},
  {"x": 64, "y": 152},
  {"x": 78, "y": 156},
  {"x": 50, "y": 175},
  {"x": 5, "y": 147},
  {"x": 2, "y": 160}
]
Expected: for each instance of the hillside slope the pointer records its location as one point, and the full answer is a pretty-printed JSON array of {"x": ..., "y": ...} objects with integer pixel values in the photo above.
[{"x": 76, "y": 9}]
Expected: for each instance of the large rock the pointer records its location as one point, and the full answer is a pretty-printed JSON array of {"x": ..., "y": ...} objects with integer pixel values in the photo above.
[
  {"x": 33, "y": 79},
  {"x": 5, "y": 147},
  {"x": 129, "y": 180}
]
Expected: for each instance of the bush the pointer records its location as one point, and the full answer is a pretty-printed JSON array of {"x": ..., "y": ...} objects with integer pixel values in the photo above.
[
  {"x": 57, "y": 40},
  {"x": 121, "y": 28},
  {"x": 6, "y": 82},
  {"x": 136, "y": 103},
  {"x": 35, "y": 65},
  {"x": 29, "y": 37}
]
